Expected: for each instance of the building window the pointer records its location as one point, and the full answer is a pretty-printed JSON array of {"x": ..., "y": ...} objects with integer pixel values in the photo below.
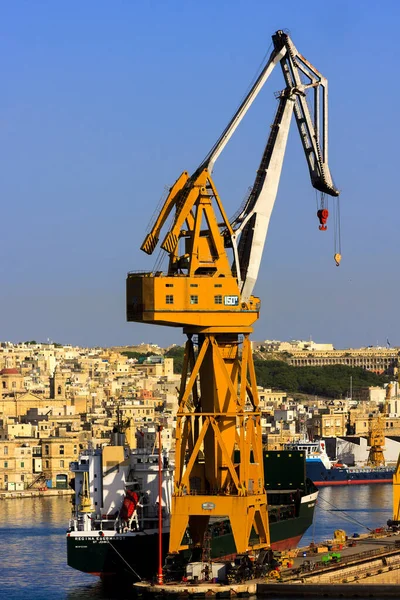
[
  {"x": 6, "y": 465},
  {"x": 194, "y": 299},
  {"x": 5, "y": 478},
  {"x": 62, "y": 449},
  {"x": 47, "y": 464},
  {"x": 22, "y": 477},
  {"x": 5, "y": 449},
  {"x": 217, "y": 284},
  {"x": 4, "y": 384},
  {"x": 22, "y": 465},
  {"x": 46, "y": 449},
  {"x": 194, "y": 285},
  {"x": 169, "y": 299},
  {"x": 218, "y": 299},
  {"x": 14, "y": 384},
  {"x": 61, "y": 464},
  {"x": 59, "y": 390},
  {"x": 75, "y": 449},
  {"x": 169, "y": 285}
]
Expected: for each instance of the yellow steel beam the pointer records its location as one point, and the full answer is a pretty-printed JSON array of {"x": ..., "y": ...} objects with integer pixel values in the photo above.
[
  {"x": 396, "y": 492},
  {"x": 152, "y": 238},
  {"x": 244, "y": 512},
  {"x": 229, "y": 464},
  {"x": 193, "y": 376},
  {"x": 184, "y": 481}
]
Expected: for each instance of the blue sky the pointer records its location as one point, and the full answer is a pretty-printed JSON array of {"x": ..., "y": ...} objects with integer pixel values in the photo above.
[{"x": 103, "y": 104}]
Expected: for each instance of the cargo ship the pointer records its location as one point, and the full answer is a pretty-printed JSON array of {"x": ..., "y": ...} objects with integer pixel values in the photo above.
[
  {"x": 324, "y": 472},
  {"x": 114, "y": 527}
]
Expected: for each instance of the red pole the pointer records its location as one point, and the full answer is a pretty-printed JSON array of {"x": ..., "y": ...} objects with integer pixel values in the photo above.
[{"x": 160, "y": 579}]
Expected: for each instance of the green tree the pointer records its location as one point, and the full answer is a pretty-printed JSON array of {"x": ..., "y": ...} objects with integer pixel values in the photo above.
[
  {"x": 177, "y": 353},
  {"x": 331, "y": 381}
]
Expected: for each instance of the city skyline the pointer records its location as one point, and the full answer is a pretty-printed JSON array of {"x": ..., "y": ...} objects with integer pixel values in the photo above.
[{"x": 105, "y": 105}]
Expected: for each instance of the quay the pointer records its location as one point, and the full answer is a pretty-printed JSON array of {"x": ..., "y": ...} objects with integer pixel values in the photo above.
[
  {"x": 368, "y": 566},
  {"x": 12, "y": 495},
  {"x": 201, "y": 590}
]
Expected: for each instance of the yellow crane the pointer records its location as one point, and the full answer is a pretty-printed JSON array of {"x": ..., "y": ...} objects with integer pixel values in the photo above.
[
  {"x": 376, "y": 434},
  {"x": 208, "y": 291},
  {"x": 395, "y": 523},
  {"x": 396, "y": 494}
]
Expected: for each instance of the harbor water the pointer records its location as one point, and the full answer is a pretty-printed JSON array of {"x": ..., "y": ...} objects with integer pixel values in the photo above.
[{"x": 33, "y": 549}]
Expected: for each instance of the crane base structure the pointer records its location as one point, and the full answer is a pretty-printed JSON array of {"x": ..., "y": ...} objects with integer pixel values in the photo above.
[
  {"x": 208, "y": 291},
  {"x": 218, "y": 457},
  {"x": 218, "y": 451}
]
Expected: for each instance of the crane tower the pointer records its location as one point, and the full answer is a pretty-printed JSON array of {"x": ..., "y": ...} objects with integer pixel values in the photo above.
[{"x": 208, "y": 291}]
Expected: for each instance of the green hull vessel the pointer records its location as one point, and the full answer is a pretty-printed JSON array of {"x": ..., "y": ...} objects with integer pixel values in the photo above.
[{"x": 107, "y": 551}]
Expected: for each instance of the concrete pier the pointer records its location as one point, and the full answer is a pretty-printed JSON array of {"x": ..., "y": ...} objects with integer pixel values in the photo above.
[
  {"x": 301, "y": 590},
  {"x": 369, "y": 567},
  {"x": 201, "y": 590},
  {"x": 35, "y": 493}
]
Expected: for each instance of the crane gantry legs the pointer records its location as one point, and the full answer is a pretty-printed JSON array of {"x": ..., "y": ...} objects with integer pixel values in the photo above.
[{"x": 218, "y": 418}]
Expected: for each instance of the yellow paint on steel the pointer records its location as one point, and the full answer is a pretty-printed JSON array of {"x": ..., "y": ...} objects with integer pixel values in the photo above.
[
  {"x": 244, "y": 512},
  {"x": 218, "y": 417},
  {"x": 152, "y": 238},
  {"x": 208, "y": 438},
  {"x": 189, "y": 302},
  {"x": 396, "y": 492}
]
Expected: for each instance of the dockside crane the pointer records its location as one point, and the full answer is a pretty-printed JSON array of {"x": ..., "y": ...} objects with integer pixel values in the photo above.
[
  {"x": 376, "y": 432},
  {"x": 208, "y": 291}
]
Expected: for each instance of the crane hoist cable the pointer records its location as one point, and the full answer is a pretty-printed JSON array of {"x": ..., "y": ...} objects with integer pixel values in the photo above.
[
  {"x": 346, "y": 515},
  {"x": 336, "y": 232}
]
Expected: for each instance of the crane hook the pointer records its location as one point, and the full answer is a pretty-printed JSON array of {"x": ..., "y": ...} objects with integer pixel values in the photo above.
[
  {"x": 323, "y": 214},
  {"x": 337, "y": 257}
]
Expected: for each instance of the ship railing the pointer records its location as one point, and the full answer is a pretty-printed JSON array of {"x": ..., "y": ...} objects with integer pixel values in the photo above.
[
  {"x": 114, "y": 523},
  {"x": 78, "y": 524},
  {"x": 369, "y": 469},
  {"x": 196, "y": 492},
  {"x": 73, "y": 525},
  {"x": 78, "y": 466}
]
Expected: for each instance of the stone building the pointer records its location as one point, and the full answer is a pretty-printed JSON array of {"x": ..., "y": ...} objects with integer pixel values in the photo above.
[
  {"x": 378, "y": 360},
  {"x": 57, "y": 453},
  {"x": 25, "y": 460},
  {"x": 11, "y": 381}
]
